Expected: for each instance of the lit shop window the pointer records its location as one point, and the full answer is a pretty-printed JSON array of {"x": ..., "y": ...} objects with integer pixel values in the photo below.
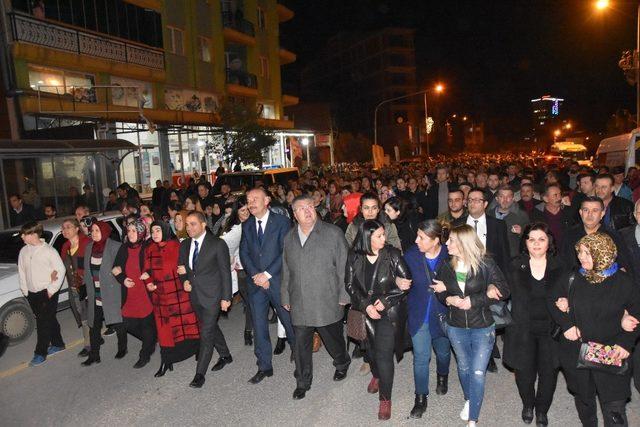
[{"x": 61, "y": 82}]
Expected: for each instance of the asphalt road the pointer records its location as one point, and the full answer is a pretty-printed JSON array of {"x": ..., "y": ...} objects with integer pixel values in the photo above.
[{"x": 62, "y": 393}]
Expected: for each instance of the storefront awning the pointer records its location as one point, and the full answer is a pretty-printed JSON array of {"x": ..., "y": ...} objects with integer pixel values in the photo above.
[{"x": 35, "y": 147}]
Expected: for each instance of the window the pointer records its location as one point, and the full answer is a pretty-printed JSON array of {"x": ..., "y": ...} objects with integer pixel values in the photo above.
[
  {"x": 204, "y": 49},
  {"x": 176, "y": 43},
  {"x": 261, "y": 19},
  {"x": 266, "y": 110},
  {"x": 264, "y": 67},
  {"x": 80, "y": 86}
]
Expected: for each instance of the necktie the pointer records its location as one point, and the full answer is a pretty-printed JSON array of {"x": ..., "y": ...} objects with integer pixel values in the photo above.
[
  {"x": 475, "y": 225},
  {"x": 194, "y": 258},
  {"x": 260, "y": 232}
]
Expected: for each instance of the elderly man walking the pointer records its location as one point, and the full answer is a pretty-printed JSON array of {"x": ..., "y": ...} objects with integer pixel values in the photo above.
[{"x": 312, "y": 289}]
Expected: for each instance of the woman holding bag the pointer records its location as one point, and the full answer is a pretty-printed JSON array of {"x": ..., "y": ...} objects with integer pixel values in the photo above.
[
  {"x": 589, "y": 305},
  {"x": 428, "y": 259},
  {"x": 377, "y": 279}
]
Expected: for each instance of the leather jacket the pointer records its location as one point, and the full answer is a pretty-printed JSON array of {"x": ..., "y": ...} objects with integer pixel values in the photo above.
[
  {"x": 390, "y": 265},
  {"x": 479, "y": 315}
]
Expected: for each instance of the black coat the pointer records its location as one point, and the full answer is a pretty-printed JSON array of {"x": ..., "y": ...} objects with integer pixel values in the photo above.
[
  {"x": 497, "y": 240},
  {"x": 630, "y": 243},
  {"x": 519, "y": 277},
  {"x": 479, "y": 315},
  {"x": 430, "y": 208},
  {"x": 390, "y": 265},
  {"x": 621, "y": 211},
  {"x": 28, "y": 213}
]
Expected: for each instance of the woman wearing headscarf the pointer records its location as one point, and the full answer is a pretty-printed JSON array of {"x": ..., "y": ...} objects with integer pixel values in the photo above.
[
  {"x": 176, "y": 322},
  {"x": 137, "y": 311},
  {"x": 103, "y": 290},
  {"x": 370, "y": 280},
  {"x": 588, "y": 305}
]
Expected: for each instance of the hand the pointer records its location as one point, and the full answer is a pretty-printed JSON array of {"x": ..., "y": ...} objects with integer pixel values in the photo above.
[
  {"x": 516, "y": 229},
  {"x": 563, "y": 305},
  {"x": 54, "y": 276},
  {"x": 49, "y": 294},
  {"x": 372, "y": 312},
  {"x": 129, "y": 283},
  {"x": 619, "y": 352},
  {"x": 453, "y": 301},
  {"x": 266, "y": 285},
  {"x": 493, "y": 292},
  {"x": 629, "y": 322},
  {"x": 151, "y": 287},
  {"x": 438, "y": 286},
  {"x": 465, "y": 304},
  {"x": 182, "y": 270},
  {"x": 287, "y": 307},
  {"x": 566, "y": 201},
  {"x": 116, "y": 271},
  {"x": 572, "y": 334},
  {"x": 378, "y": 305},
  {"x": 259, "y": 279},
  {"x": 403, "y": 284},
  {"x": 224, "y": 305},
  {"x": 187, "y": 286},
  {"x": 144, "y": 276}
]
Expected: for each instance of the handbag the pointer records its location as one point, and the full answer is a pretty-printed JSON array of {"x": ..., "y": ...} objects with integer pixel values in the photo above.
[
  {"x": 356, "y": 327},
  {"x": 556, "y": 331},
  {"x": 501, "y": 314},
  {"x": 598, "y": 357}
]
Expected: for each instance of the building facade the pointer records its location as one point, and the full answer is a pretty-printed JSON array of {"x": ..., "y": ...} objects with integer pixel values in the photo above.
[
  {"x": 152, "y": 72},
  {"x": 356, "y": 71}
]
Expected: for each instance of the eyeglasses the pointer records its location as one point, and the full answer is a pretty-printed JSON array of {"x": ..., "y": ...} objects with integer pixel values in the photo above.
[
  {"x": 476, "y": 200},
  {"x": 303, "y": 208}
]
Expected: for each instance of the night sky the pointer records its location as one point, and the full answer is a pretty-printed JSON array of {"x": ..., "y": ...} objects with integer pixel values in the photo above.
[{"x": 494, "y": 55}]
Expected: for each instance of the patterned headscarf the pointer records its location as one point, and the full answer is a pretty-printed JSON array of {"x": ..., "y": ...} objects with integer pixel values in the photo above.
[
  {"x": 141, "y": 229},
  {"x": 603, "y": 252}
]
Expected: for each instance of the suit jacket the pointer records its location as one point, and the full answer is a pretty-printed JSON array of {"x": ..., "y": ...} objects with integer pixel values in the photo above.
[
  {"x": 514, "y": 217},
  {"x": 430, "y": 209},
  {"x": 267, "y": 257},
  {"x": 313, "y": 275},
  {"x": 630, "y": 242},
  {"x": 497, "y": 240},
  {"x": 211, "y": 278},
  {"x": 620, "y": 211}
]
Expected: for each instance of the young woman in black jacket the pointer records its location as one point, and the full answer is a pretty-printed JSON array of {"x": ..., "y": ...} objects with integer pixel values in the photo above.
[
  {"x": 589, "y": 305},
  {"x": 405, "y": 219},
  {"x": 470, "y": 325},
  {"x": 377, "y": 279},
  {"x": 528, "y": 346}
]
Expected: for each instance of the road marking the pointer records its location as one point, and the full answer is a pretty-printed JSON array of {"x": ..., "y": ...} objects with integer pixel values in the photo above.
[{"x": 21, "y": 367}]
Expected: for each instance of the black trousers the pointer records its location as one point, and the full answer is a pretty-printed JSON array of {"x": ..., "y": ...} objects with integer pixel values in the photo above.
[
  {"x": 210, "y": 336},
  {"x": 145, "y": 330},
  {"x": 614, "y": 413},
  {"x": 242, "y": 288},
  {"x": 95, "y": 337},
  {"x": 380, "y": 355},
  {"x": 333, "y": 338},
  {"x": 47, "y": 326},
  {"x": 537, "y": 365}
]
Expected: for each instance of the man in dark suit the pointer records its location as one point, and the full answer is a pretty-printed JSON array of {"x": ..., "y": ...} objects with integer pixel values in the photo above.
[
  {"x": 261, "y": 256},
  {"x": 20, "y": 212},
  {"x": 436, "y": 201},
  {"x": 618, "y": 211},
  {"x": 204, "y": 269}
]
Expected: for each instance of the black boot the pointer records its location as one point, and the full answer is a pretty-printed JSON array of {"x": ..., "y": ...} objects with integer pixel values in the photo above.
[
  {"x": 93, "y": 358},
  {"x": 492, "y": 367},
  {"x": 443, "y": 385},
  {"x": 541, "y": 419},
  {"x": 419, "y": 407},
  {"x": 280, "y": 346},
  {"x": 248, "y": 338},
  {"x": 164, "y": 367},
  {"x": 527, "y": 415}
]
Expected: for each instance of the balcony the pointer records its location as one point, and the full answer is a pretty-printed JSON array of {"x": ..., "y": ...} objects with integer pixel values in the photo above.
[
  {"x": 26, "y": 29},
  {"x": 284, "y": 13},
  {"x": 286, "y": 56},
  {"x": 241, "y": 83},
  {"x": 238, "y": 30}
]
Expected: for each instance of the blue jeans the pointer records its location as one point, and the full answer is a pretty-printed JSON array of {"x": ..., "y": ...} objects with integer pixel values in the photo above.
[
  {"x": 473, "y": 349},
  {"x": 422, "y": 344},
  {"x": 260, "y": 302}
]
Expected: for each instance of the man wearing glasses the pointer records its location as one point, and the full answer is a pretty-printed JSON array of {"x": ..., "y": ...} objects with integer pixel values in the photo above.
[{"x": 312, "y": 289}]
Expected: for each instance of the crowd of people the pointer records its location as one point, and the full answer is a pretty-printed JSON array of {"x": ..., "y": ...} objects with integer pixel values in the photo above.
[{"x": 409, "y": 257}]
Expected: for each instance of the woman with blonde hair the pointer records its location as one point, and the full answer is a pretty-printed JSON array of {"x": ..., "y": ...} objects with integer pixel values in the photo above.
[
  {"x": 180, "y": 221},
  {"x": 468, "y": 323}
]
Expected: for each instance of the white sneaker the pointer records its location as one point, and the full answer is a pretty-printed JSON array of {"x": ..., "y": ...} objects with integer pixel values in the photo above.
[
  {"x": 471, "y": 424},
  {"x": 464, "y": 414}
]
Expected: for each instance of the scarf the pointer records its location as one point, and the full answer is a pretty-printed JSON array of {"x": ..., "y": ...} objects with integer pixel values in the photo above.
[
  {"x": 141, "y": 230},
  {"x": 165, "y": 229},
  {"x": 603, "y": 252},
  {"x": 105, "y": 231}
]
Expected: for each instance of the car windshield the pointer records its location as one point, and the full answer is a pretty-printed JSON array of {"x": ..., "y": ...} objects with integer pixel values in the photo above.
[{"x": 11, "y": 243}]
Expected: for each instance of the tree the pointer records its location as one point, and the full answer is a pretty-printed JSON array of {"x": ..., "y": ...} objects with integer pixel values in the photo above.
[{"x": 241, "y": 139}]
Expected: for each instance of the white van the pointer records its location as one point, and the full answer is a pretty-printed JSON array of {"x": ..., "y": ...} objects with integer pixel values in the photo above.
[
  {"x": 620, "y": 150},
  {"x": 16, "y": 319}
]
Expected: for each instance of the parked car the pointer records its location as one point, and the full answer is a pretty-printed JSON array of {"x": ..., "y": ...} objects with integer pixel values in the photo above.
[
  {"x": 247, "y": 179},
  {"x": 16, "y": 319}
]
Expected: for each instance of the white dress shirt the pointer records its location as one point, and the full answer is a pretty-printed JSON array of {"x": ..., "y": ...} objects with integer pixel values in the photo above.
[
  {"x": 481, "y": 229},
  {"x": 263, "y": 220},
  {"x": 193, "y": 248}
]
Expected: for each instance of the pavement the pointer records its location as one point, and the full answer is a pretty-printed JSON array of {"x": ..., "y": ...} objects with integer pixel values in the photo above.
[{"x": 62, "y": 393}]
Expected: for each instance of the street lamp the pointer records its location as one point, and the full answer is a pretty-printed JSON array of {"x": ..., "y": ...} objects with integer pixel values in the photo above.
[
  {"x": 439, "y": 88},
  {"x": 605, "y": 4},
  {"x": 305, "y": 142}
]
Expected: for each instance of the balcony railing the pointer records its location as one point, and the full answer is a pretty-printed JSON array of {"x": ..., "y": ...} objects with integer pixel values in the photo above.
[
  {"x": 242, "y": 78},
  {"x": 238, "y": 24},
  {"x": 26, "y": 29}
]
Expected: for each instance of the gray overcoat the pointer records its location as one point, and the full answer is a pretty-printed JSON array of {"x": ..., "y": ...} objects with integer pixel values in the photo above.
[
  {"x": 313, "y": 275},
  {"x": 109, "y": 286}
]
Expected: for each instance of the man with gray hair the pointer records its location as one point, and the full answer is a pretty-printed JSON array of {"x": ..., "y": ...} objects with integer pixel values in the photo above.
[{"x": 313, "y": 290}]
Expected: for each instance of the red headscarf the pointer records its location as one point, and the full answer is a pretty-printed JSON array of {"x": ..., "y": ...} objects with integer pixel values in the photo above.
[
  {"x": 105, "y": 231},
  {"x": 352, "y": 203}
]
